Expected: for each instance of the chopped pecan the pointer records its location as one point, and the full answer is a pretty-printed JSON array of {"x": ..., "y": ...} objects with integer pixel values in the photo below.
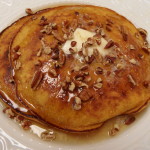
[
  {"x": 16, "y": 56},
  {"x": 8, "y": 111},
  {"x": 29, "y": 11},
  {"x": 16, "y": 49},
  {"x": 39, "y": 53},
  {"x": 47, "y": 29},
  {"x": 113, "y": 132},
  {"x": 17, "y": 65},
  {"x": 146, "y": 49},
  {"x": 73, "y": 43},
  {"x": 131, "y": 47},
  {"x": 26, "y": 124},
  {"x": 97, "y": 55},
  {"x": 48, "y": 135},
  {"x": 133, "y": 61},
  {"x": 19, "y": 118},
  {"x": 98, "y": 85},
  {"x": 129, "y": 120},
  {"x": 109, "y": 44},
  {"x": 37, "y": 78},
  {"x": 108, "y": 28},
  {"x": 124, "y": 34},
  {"x": 58, "y": 36},
  {"x": 85, "y": 95},
  {"x": 52, "y": 72},
  {"x": 99, "y": 70},
  {"x": 72, "y": 87},
  {"x": 85, "y": 67},
  {"x": 110, "y": 59},
  {"x": 77, "y": 103},
  {"x": 87, "y": 79},
  {"x": 38, "y": 63},
  {"x": 55, "y": 56},
  {"x": 47, "y": 50},
  {"x": 72, "y": 51},
  {"x": 146, "y": 84},
  {"x": 131, "y": 80},
  {"x": 62, "y": 58},
  {"x": 143, "y": 32},
  {"x": 43, "y": 21},
  {"x": 89, "y": 59}
]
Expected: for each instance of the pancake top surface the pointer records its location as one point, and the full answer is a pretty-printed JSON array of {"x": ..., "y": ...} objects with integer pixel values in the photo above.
[{"x": 77, "y": 87}]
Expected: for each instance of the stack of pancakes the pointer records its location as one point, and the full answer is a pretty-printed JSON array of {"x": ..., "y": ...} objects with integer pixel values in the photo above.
[{"x": 74, "y": 67}]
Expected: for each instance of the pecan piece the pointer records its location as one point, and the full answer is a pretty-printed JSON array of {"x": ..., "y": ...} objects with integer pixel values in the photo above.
[
  {"x": 77, "y": 103},
  {"x": 85, "y": 95},
  {"x": 62, "y": 58},
  {"x": 29, "y": 11},
  {"x": 124, "y": 34},
  {"x": 131, "y": 80},
  {"x": 48, "y": 135},
  {"x": 17, "y": 65},
  {"x": 143, "y": 32},
  {"x": 99, "y": 70},
  {"x": 72, "y": 87},
  {"x": 52, "y": 72},
  {"x": 37, "y": 78},
  {"x": 109, "y": 44},
  {"x": 73, "y": 43},
  {"x": 129, "y": 120}
]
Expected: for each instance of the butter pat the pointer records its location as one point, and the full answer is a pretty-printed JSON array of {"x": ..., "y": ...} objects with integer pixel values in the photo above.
[{"x": 81, "y": 36}]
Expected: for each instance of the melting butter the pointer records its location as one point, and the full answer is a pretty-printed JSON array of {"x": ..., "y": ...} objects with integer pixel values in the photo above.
[{"x": 81, "y": 36}]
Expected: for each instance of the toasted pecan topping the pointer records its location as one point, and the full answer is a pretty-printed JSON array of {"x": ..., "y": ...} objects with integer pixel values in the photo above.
[
  {"x": 99, "y": 70},
  {"x": 124, "y": 34},
  {"x": 43, "y": 21},
  {"x": 97, "y": 55},
  {"x": 52, "y": 72},
  {"x": 98, "y": 85},
  {"x": 85, "y": 67},
  {"x": 38, "y": 63},
  {"x": 113, "y": 132},
  {"x": 146, "y": 49},
  {"x": 48, "y": 135},
  {"x": 108, "y": 28},
  {"x": 110, "y": 59},
  {"x": 143, "y": 32},
  {"x": 77, "y": 103},
  {"x": 72, "y": 87},
  {"x": 85, "y": 95},
  {"x": 109, "y": 44},
  {"x": 29, "y": 11},
  {"x": 89, "y": 59},
  {"x": 129, "y": 120},
  {"x": 131, "y": 80},
  {"x": 8, "y": 111},
  {"x": 37, "y": 78},
  {"x": 62, "y": 58},
  {"x": 17, "y": 65},
  {"x": 39, "y": 52},
  {"x": 16, "y": 49},
  {"x": 25, "y": 124},
  {"x": 133, "y": 61},
  {"x": 73, "y": 43},
  {"x": 131, "y": 47}
]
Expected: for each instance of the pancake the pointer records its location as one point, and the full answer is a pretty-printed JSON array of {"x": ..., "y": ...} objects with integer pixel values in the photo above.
[
  {"x": 7, "y": 90},
  {"x": 80, "y": 66},
  {"x": 7, "y": 84}
]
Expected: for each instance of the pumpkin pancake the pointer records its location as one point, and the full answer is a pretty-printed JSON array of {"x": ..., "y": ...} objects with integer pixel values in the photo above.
[
  {"x": 7, "y": 84},
  {"x": 80, "y": 66}
]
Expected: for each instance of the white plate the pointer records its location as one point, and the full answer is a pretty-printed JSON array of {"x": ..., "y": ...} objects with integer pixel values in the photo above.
[{"x": 136, "y": 137}]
